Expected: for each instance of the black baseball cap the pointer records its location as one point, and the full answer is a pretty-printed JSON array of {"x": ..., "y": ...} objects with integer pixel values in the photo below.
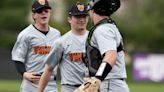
[
  {"x": 78, "y": 9},
  {"x": 38, "y": 4}
]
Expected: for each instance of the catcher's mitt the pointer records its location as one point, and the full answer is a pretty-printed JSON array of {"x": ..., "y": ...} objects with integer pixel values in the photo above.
[{"x": 92, "y": 85}]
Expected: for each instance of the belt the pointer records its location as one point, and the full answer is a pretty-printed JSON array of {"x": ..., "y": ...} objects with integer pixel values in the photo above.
[
  {"x": 39, "y": 74},
  {"x": 54, "y": 77},
  {"x": 118, "y": 79},
  {"x": 78, "y": 85},
  {"x": 121, "y": 79}
]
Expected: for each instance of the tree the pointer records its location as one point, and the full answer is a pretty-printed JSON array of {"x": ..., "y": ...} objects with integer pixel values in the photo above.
[
  {"x": 13, "y": 19},
  {"x": 142, "y": 26}
]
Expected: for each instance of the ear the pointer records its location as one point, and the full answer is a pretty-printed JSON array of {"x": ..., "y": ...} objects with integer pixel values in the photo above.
[
  {"x": 69, "y": 19},
  {"x": 33, "y": 15},
  {"x": 50, "y": 11},
  {"x": 93, "y": 11}
]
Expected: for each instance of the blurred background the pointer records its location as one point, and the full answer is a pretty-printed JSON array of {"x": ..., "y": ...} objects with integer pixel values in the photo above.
[{"x": 140, "y": 22}]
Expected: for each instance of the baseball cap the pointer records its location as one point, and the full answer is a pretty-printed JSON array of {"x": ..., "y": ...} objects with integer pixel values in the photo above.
[
  {"x": 38, "y": 4},
  {"x": 78, "y": 9}
]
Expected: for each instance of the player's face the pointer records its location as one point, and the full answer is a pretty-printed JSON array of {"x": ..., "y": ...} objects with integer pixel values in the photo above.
[
  {"x": 42, "y": 16},
  {"x": 78, "y": 22}
]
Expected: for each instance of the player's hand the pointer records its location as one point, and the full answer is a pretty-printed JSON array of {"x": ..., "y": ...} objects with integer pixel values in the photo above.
[
  {"x": 89, "y": 79},
  {"x": 32, "y": 76},
  {"x": 91, "y": 85},
  {"x": 86, "y": 79}
]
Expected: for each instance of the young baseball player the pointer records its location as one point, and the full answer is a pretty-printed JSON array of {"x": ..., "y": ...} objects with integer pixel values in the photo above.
[
  {"x": 33, "y": 44},
  {"x": 105, "y": 41},
  {"x": 70, "y": 48}
]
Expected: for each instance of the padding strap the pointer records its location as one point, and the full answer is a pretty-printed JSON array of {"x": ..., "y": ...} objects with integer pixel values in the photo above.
[{"x": 103, "y": 70}]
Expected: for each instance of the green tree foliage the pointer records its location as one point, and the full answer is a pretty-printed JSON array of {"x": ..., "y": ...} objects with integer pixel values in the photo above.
[
  {"x": 13, "y": 19},
  {"x": 142, "y": 26},
  {"x": 13, "y": 14},
  {"x": 141, "y": 23}
]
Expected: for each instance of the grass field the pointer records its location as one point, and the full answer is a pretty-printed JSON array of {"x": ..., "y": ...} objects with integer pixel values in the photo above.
[{"x": 13, "y": 86}]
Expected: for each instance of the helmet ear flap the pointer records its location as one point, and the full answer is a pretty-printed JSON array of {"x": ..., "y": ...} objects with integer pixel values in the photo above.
[{"x": 115, "y": 4}]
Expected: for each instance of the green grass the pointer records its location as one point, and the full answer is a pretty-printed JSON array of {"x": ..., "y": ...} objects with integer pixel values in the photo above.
[
  {"x": 146, "y": 87},
  {"x": 9, "y": 85},
  {"x": 13, "y": 86}
]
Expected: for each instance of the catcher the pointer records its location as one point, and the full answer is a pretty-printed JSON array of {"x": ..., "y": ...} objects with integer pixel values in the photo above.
[{"x": 104, "y": 50}]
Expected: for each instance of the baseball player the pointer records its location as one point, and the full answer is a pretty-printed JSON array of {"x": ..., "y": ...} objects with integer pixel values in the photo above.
[
  {"x": 68, "y": 51},
  {"x": 33, "y": 44},
  {"x": 105, "y": 41}
]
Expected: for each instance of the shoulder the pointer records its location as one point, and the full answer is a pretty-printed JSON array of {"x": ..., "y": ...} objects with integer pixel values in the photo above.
[
  {"x": 87, "y": 32},
  {"x": 106, "y": 28},
  {"x": 67, "y": 35},
  {"x": 61, "y": 41},
  {"x": 26, "y": 32},
  {"x": 64, "y": 39},
  {"x": 55, "y": 30}
]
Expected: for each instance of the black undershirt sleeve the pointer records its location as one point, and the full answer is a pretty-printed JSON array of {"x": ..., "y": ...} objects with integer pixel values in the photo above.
[{"x": 20, "y": 67}]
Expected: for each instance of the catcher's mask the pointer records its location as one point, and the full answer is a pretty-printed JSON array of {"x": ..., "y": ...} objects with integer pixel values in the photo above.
[{"x": 104, "y": 7}]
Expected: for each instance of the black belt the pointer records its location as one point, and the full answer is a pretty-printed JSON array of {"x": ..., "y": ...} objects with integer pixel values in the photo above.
[
  {"x": 78, "y": 85},
  {"x": 121, "y": 79},
  {"x": 54, "y": 77}
]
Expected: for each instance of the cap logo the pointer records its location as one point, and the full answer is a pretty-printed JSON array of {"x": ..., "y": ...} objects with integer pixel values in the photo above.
[
  {"x": 80, "y": 7},
  {"x": 42, "y": 2}
]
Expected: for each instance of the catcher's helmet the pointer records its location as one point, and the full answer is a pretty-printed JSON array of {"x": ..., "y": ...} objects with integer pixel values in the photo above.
[{"x": 104, "y": 7}]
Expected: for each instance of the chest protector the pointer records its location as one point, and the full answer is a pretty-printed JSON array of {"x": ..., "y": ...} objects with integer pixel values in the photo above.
[{"x": 93, "y": 57}]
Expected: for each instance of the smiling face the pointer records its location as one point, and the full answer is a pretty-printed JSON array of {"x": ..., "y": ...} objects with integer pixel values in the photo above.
[
  {"x": 78, "y": 22},
  {"x": 42, "y": 16}
]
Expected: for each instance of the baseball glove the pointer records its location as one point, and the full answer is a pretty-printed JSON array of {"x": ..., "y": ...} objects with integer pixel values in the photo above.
[{"x": 92, "y": 85}]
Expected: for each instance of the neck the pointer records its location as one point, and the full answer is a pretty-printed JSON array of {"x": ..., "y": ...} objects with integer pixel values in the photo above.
[
  {"x": 78, "y": 32},
  {"x": 98, "y": 18},
  {"x": 43, "y": 27}
]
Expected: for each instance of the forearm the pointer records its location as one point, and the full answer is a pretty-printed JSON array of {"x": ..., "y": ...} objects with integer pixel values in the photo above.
[
  {"x": 31, "y": 76},
  {"x": 20, "y": 67},
  {"x": 44, "y": 78},
  {"x": 106, "y": 65}
]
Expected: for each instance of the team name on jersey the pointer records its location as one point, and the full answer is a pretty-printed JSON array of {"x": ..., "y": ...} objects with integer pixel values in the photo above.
[
  {"x": 76, "y": 56},
  {"x": 43, "y": 50}
]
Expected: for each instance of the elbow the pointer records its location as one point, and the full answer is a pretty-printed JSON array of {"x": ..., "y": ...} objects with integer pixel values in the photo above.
[
  {"x": 110, "y": 57},
  {"x": 48, "y": 68}
]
